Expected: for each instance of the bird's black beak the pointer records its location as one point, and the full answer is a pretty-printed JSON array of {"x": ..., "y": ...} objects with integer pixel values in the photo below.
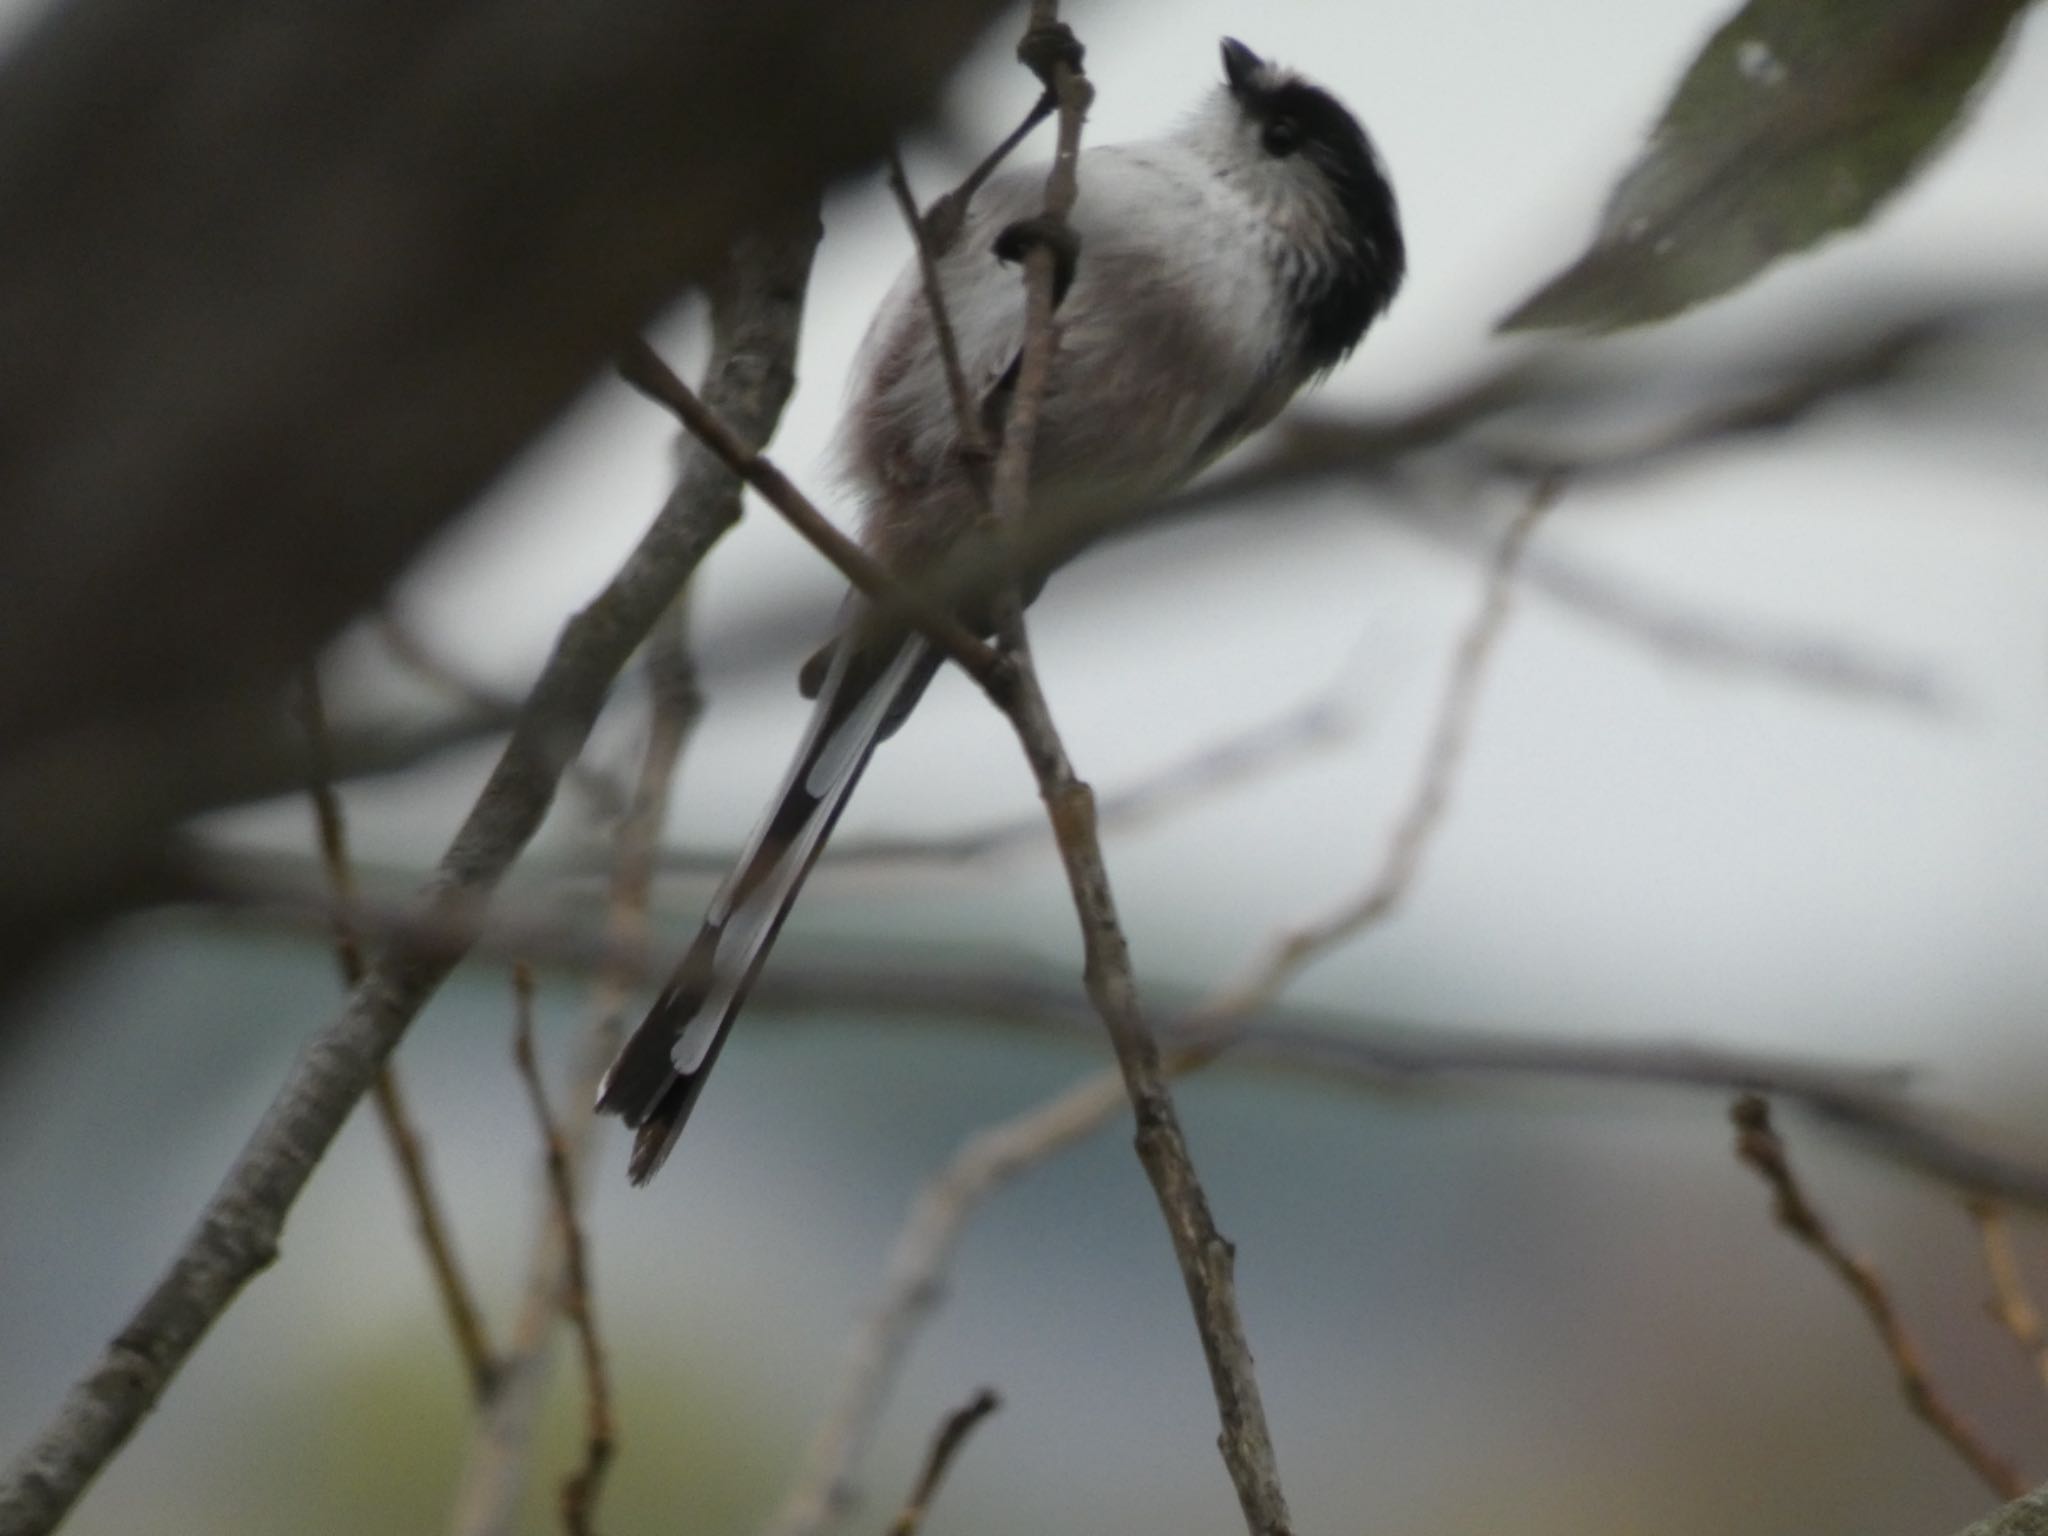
[{"x": 1240, "y": 64}]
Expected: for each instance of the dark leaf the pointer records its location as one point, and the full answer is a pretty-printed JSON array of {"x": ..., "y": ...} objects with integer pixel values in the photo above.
[{"x": 1797, "y": 120}]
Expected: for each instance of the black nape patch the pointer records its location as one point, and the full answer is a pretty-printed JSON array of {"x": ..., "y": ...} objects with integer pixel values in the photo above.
[{"x": 1364, "y": 282}]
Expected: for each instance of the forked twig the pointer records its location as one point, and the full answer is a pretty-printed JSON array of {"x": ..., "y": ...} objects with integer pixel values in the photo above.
[
  {"x": 641, "y": 367},
  {"x": 941, "y": 224},
  {"x": 1758, "y": 1146},
  {"x": 465, "y": 1319},
  {"x": 496, "y": 1464},
  {"x": 993, "y": 1157}
]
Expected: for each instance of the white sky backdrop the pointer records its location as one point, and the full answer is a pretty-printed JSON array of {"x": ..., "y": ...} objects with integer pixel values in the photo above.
[{"x": 1636, "y": 844}]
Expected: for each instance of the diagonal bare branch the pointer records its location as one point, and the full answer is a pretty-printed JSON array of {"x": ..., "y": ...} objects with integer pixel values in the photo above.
[
  {"x": 946, "y": 1446},
  {"x": 465, "y": 1319},
  {"x": 498, "y": 1460},
  {"x": 1758, "y": 1146},
  {"x": 580, "y": 1491},
  {"x": 237, "y": 1234},
  {"x": 993, "y": 1157}
]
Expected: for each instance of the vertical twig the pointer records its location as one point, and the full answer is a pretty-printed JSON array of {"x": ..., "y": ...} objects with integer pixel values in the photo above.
[
  {"x": 1207, "y": 1260},
  {"x": 580, "y": 1490},
  {"x": 993, "y": 1157},
  {"x": 974, "y": 445},
  {"x": 497, "y": 1463},
  {"x": 952, "y": 1435},
  {"x": 465, "y": 1321},
  {"x": 1758, "y": 1146},
  {"x": 2011, "y": 1303}
]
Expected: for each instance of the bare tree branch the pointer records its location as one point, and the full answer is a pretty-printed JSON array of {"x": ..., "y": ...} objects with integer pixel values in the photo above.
[
  {"x": 1688, "y": 633},
  {"x": 946, "y": 1444},
  {"x": 1207, "y": 1261},
  {"x": 750, "y": 377},
  {"x": 465, "y": 1321},
  {"x": 500, "y": 1452},
  {"x": 993, "y": 1157},
  {"x": 974, "y": 444},
  {"x": 412, "y": 652},
  {"x": 580, "y": 1491},
  {"x": 646, "y": 372},
  {"x": 913, "y": 983},
  {"x": 1757, "y": 1144},
  {"x": 1442, "y": 759}
]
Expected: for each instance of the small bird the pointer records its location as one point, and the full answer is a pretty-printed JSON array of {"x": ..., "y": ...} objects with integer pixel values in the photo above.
[{"x": 1216, "y": 271}]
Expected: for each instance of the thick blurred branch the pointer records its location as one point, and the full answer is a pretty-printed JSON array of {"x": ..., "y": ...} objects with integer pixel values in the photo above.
[
  {"x": 756, "y": 314},
  {"x": 282, "y": 289},
  {"x": 915, "y": 984}
]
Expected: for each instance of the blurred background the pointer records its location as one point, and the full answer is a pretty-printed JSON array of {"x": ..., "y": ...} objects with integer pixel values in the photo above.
[{"x": 1558, "y": 1305}]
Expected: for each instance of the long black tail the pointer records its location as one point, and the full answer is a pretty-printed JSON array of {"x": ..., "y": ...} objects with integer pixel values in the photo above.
[{"x": 655, "y": 1081}]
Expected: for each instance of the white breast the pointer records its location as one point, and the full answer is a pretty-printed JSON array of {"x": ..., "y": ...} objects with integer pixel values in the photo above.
[{"x": 1173, "y": 345}]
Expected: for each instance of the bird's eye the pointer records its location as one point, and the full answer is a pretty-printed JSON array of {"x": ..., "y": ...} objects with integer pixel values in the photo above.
[{"x": 1282, "y": 136}]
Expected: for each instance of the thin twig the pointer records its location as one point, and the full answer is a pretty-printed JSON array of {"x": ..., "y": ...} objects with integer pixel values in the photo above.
[
  {"x": 1758, "y": 1146},
  {"x": 942, "y": 222},
  {"x": 2011, "y": 1303},
  {"x": 465, "y": 1319},
  {"x": 1424, "y": 810},
  {"x": 497, "y": 1463},
  {"x": 993, "y": 1157},
  {"x": 974, "y": 447},
  {"x": 645, "y": 371},
  {"x": 1206, "y": 1260},
  {"x": 580, "y": 1490},
  {"x": 237, "y": 1232},
  {"x": 952, "y": 1435}
]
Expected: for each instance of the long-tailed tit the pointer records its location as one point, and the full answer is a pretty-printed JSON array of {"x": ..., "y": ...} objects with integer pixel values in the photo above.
[{"x": 1218, "y": 270}]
